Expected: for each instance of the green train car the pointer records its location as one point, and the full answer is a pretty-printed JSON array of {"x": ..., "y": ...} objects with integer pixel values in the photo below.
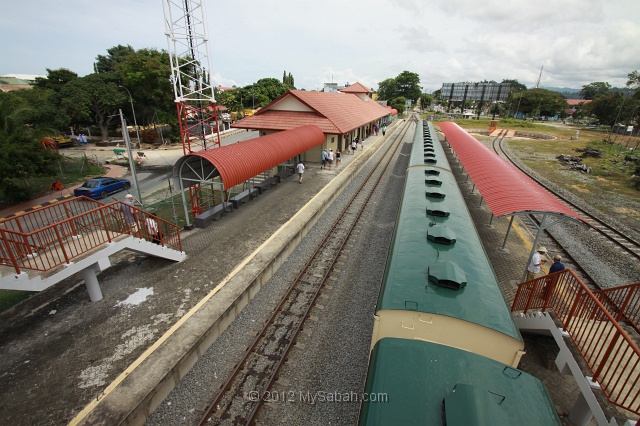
[{"x": 441, "y": 303}]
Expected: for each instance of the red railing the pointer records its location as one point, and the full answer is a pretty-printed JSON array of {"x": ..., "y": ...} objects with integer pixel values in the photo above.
[
  {"x": 48, "y": 237},
  {"x": 611, "y": 355},
  {"x": 623, "y": 302}
]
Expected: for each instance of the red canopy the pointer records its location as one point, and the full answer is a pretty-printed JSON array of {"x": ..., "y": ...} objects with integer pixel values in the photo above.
[{"x": 506, "y": 189}]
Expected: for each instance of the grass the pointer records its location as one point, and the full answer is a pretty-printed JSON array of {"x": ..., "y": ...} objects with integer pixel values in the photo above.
[{"x": 10, "y": 298}]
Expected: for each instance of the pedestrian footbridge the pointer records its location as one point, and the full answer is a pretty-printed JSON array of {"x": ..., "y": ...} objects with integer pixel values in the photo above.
[
  {"x": 603, "y": 328},
  {"x": 44, "y": 246}
]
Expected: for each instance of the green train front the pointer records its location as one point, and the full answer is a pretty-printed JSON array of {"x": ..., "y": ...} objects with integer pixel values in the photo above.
[{"x": 440, "y": 297}]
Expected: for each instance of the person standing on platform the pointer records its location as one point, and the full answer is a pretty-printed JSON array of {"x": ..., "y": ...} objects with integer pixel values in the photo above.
[
  {"x": 324, "y": 158},
  {"x": 354, "y": 145},
  {"x": 551, "y": 282},
  {"x": 330, "y": 158},
  {"x": 300, "y": 170},
  {"x": 536, "y": 261},
  {"x": 338, "y": 157},
  {"x": 384, "y": 130}
]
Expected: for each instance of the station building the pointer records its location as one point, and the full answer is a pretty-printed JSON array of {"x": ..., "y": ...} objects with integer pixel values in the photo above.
[{"x": 342, "y": 116}]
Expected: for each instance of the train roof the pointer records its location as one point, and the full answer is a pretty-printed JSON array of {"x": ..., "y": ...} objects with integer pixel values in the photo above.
[
  {"x": 426, "y": 149},
  {"x": 408, "y": 381},
  {"x": 417, "y": 257}
]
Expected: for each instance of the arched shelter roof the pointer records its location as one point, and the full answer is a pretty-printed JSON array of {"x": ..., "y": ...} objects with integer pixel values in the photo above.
[
  {"x": 241, "y": 161},
  {"x": 505, "y": 189}
]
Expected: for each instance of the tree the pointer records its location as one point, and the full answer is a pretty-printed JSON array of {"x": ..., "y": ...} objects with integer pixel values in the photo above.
[
  {"x": 613, "y": 108},
  {"x": 145, "y": 73},
  {"x": 287, "y": 80},
  {"x": 426, "y": 100},
  {"x": 55, "y": 79},
  {"x": 115, "y": 56},
  {"x": 94, "y": 98},
  {"x": 542, "y": 102},
  {"x": 387, "y": 89},
  {"x": 408, "y": 85},
  {"x": 593, "y": 90},
  {"x": 398, "y": 104},
  {"x": 21, "y": 155},
  {"x": 634, "y": 83}
]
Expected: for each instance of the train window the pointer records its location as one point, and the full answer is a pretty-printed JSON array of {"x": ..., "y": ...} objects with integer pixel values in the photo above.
[
  {"x": 431, "y": 172},
  {"x": 433, "y": 182},
  {"x": 434, "y": 194},
  {"x": 437, "y": 213}
]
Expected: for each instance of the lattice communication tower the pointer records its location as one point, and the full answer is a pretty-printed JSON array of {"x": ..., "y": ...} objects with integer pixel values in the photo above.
[{"x": 192, "y": 80}]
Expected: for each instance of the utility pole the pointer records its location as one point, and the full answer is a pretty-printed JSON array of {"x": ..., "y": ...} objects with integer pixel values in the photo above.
[
  {"x": 539, "y": 77},
  {"x": 132, "y": 165}
]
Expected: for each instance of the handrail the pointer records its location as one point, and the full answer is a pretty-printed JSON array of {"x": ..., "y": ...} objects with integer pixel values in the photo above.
[
  {"x": 611, "y": 355},
  {"x": 59, "y": 239},
  {"x": 623, "y": 302}
]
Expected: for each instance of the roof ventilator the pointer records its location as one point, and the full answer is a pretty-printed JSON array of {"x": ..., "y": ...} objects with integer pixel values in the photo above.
[
  {"x": 432, "y": 172},
  {"x": 437, "y": 213},
  {"x": 430, "y": 161},
  {"x": 447, "y": 274},
  {"x": 435, "y": 182},
  {"x": 434, "y": 194},
  {"x": 440, "y": 234}
]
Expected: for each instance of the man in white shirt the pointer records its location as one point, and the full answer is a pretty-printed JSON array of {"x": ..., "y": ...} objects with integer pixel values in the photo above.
[
  {"x": 300, "y": 170},
  {"x": 536, "y": 261}
]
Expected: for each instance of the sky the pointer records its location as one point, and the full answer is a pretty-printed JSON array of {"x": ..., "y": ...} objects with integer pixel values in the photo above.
[{"x": 574, "y": 42}]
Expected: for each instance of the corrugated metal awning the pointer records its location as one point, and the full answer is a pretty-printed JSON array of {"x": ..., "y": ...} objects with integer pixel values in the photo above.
[
  {"x": 241, "y": 161},
  {"x": 505, "y": 189}
]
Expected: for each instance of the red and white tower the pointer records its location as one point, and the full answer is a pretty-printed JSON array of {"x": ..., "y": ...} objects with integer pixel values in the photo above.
[{"x": 192, "y": 80}]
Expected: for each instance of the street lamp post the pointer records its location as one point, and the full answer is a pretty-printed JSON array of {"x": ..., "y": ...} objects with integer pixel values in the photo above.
[
  {"x": 132, "y": 165},
  {"x": 135, "y": 123}
]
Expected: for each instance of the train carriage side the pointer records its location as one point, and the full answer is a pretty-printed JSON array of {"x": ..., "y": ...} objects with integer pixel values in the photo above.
[{"x": 439, "y": 285}]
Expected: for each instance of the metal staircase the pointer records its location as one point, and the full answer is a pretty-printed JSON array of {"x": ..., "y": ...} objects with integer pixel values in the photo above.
[
  {"x": 562, "y": 305},
  {"x": 44, "y": 246}
]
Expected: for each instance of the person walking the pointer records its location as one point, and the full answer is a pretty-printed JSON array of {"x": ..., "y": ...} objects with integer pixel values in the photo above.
[
  {"x": 330, "y": 158},
  {"x": 300, "y": 170},
  {"x": 324, "y": 158},
  {"x": 536, "y": 261},
  {"x": 354, "y": 145},
  {"x": 384, "y": 130},
  {"x": 338, "y": 157},
  {"x": 152, "y": 228}
]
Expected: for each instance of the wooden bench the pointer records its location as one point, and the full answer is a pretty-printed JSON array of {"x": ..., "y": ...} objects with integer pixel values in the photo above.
[{"x": 266, "y": 184}]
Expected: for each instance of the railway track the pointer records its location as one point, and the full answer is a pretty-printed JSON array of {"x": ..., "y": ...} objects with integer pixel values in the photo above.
[
  {"x": 247, "y": 389},
  {"x": 609, "y": 234}
]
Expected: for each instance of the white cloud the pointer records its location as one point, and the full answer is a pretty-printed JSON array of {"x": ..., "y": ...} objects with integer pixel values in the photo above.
[{"x": 577, "y": 41}]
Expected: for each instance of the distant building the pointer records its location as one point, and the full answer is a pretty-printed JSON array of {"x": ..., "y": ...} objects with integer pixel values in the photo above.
[
  {"x": 331, "y": 88},
  {"x": 574, "y": 104},
  {"x": 11, "y": 82}
]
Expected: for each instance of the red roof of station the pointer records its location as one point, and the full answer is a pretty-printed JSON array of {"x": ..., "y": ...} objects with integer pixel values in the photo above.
[
  {"x": 241, "y": 161},
  {"x": 356, "y": 88},
  {"x": 505, "y": 189},
  {"x": 334, "y": 113}
]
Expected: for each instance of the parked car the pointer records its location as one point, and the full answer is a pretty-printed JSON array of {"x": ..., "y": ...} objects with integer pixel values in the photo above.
[{"x": 101, "y": 187}]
